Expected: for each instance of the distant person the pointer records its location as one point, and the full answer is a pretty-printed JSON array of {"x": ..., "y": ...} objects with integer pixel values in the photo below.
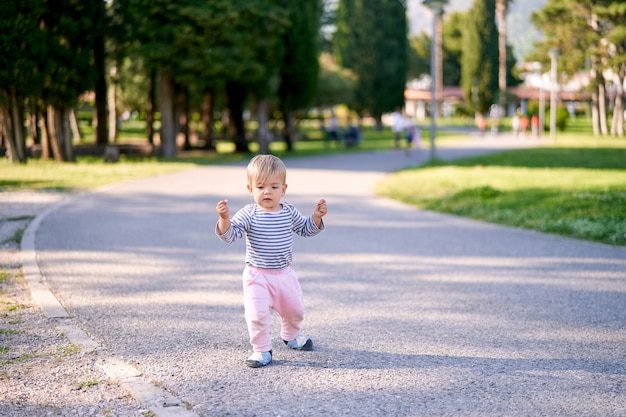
[
  {"x": 413, "y": 136},
  {"x": 269, "y": 283},
  {"x": 534, "y": 124},
  {"x": 352, "y": 137},
  {"x": 523, "y": 124},
  {"x": 333, "y": 129},
  {"x": 397, "y": 127},
  {"x": 481, "y": 122},
  {"x": 494, "y": 115},
  {"x": 515, "y": 123}
]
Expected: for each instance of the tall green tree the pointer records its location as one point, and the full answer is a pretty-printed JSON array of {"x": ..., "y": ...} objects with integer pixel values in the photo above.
[
  {"x": 371, "y": 41},
  {"x": 418, "y": 56},
  {"x": 452, "y": 48},
  {"x": 228, "y": 46},
  {"x": 152, "y": 30},
  {"x": 99, "y": 63},
  {"x": 299, "y": 68},
  {"x": 260, "y": 43},
  {"x": 346, "y": 35},
  {"x": 480, "y": 56},
  {"x": 615, "y": 14},
  {"x": 21, "y": 76},
  {"x": 502, "y": 8},
  {"x": 589, "y": 35},
  {"x": 69, "y": 35},
  {"x": 47, "y": 49},
  {"x": 335, "y": 85}
]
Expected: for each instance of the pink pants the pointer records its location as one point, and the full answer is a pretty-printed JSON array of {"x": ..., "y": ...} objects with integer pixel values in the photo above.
[{"x": 265, "y": 290}]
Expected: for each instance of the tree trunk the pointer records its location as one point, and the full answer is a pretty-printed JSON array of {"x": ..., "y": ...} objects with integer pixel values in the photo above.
[
  {"x": 18, "y": 142},
  {"x": 166, "y": 106},
  {"x": 46, "y": 149},
  {"x": 74, "y": 125},
  {"x": 66, "y": 134},
  {"x": 262, "y": 134},
  {"x": 100, "y": 68},
  {"x": 595, "y": 118},
  {"x": 290, "y": 129},
  {"x": 439, "y": 64},
  {"x": 617, "y": 127},
  {"x": 112, "y": 110},
  {"x": 236, "y": 97},
  {"x": 6, "y": 131},
  {"x": 501, "y": 10},
  {"x": 379, "y": 122},
  {"x": 33, "y": 126},
  {"x": 604, "y": 128},
  {"x": 3, "y": 141},
  {"x": 54, "y": 134},
  {"x": 150, "y": 108},
  {"x": 58, "y": 127},
  {"x": 182, "y": 114},
  {"x": 208, "y": 120},
  {"x": 9, "y": 132}
]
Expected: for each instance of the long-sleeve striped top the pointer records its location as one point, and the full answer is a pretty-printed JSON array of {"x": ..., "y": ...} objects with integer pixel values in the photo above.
[{"x": 269, "y": 235}]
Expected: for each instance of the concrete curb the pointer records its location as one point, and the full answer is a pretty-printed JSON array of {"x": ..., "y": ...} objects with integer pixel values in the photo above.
[
  {"x": 159, "y": 401},
  {"x": 41, "y": 293}
]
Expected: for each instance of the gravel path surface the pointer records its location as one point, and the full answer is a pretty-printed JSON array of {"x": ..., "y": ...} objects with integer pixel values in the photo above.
[
  {"x": 42, "y": 373},
  {"x": 412, "y": 313}
]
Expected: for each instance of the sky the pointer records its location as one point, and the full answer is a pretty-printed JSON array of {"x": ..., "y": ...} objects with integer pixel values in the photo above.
[
  {"x": 420, "y": 16},
  {"x": 525, "y": 34}
]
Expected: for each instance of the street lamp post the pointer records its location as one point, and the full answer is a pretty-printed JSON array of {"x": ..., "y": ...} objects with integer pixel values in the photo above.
[
  {"x": 436, "y": 6},
  {"x": 554, "y": 53}
]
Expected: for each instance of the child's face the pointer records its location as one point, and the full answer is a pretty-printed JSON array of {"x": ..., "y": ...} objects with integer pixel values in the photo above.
[{"x": 267, "y": 194}]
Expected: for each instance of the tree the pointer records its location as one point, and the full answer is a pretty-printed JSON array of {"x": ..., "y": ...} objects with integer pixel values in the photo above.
[
  {"x": 152, "y": 31},
  {"x": 371, "y": 41},
  {"x": 614, "y": 13},
  {"x": 335, "y": 85},
  {"x": 259, "y": 42},
  {"x": 480, "y": 56},
  {"x": 68, "y": 58},
  {"x": 21, "y": 44},
  {"x": 502, "y": 7},
  {"x": 452, "y": 48},
  {"x": 299, "y": 68},
  {"x": 418, "y": 57},
  {"x": 99, "y": 62},
  {"x": 48, "y": 50},
  {"x": 589, "y": 35}
]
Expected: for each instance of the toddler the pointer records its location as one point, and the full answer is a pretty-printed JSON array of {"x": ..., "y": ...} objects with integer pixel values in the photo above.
[{"x": 269, "y": 283}]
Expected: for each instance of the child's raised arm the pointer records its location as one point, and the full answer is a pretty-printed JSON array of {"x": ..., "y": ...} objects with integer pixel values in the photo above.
[
  {"x": 223, "y": 223},
  {"x": 320, "y": 211}
]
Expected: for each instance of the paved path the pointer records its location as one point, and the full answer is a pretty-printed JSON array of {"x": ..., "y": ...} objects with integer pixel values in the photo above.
[{"x": 412, "y": 313}]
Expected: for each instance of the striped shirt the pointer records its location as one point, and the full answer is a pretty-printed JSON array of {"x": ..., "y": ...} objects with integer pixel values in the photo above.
[{"x": 269, "y": 235}]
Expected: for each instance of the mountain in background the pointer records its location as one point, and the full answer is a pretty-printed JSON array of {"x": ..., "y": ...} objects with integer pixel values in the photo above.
[{"x": 521, "y": 32}]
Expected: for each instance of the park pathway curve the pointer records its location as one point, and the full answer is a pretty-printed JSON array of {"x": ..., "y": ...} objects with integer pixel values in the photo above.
[{"x": 412, "y": 313}]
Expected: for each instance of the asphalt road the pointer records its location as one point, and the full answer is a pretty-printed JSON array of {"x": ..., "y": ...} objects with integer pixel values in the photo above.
[{"x": 412, "y": 313}]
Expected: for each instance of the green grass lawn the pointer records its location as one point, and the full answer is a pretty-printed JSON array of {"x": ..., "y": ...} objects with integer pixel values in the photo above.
[
  {"x": 575, "y": 187},
  {"x": 91, "y": 172}
]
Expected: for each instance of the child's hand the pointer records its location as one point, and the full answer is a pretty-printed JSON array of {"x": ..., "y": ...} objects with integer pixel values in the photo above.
[
  {"x": 320, "y": 209},
  {"x": 222, "y": 209}
]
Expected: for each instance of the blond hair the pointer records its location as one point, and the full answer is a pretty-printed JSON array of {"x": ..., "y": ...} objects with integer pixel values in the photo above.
[{"x": 262, "y": 167}]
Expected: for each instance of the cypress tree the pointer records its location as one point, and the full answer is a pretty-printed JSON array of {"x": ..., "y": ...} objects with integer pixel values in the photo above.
[
  {"x": 300, "y": 67},
  {"x": 480, "y": 55},
  {"x": 371, "y": 40}
]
